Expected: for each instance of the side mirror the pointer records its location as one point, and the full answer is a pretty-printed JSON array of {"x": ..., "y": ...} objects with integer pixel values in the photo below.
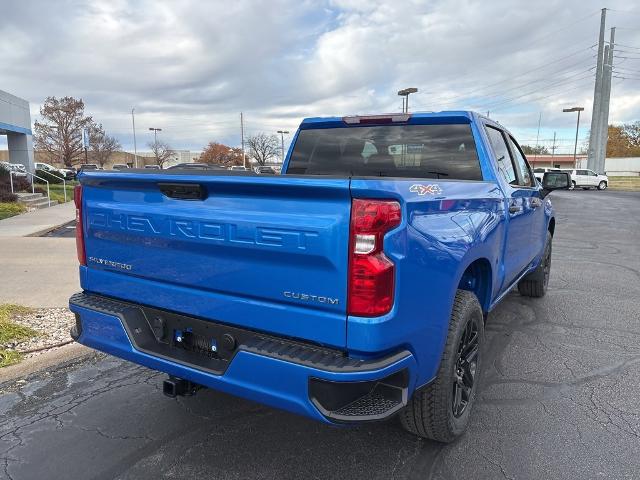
[{"x": 555, "y": 181}]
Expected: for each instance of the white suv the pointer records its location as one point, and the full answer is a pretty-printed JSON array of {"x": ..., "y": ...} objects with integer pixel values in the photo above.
[{"x": 586, "y": 179}]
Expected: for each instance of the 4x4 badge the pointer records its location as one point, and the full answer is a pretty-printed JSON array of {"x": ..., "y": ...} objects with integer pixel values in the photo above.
[{"x": 420, "y": 189}]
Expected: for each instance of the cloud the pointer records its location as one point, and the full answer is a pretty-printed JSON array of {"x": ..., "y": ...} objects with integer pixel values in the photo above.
[{"x": 190, "y": 67}]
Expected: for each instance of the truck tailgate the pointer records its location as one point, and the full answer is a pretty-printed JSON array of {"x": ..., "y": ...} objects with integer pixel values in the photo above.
[{"x": 262, "y": 252}]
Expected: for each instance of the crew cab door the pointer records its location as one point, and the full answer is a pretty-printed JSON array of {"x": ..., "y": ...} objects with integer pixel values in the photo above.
[
  {"x": 520, "y": 207},
  {"x": 529, "y": 187}
]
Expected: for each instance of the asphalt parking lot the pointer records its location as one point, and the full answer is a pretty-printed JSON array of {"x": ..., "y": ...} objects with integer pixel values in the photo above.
[{"x": 558, "y": 399}]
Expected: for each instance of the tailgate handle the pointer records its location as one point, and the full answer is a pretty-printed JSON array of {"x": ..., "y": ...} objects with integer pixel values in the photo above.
[{"x": 183, "y": 191}]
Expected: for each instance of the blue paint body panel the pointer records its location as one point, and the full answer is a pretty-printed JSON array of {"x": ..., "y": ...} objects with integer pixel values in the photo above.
[{"x": 248, "y": 253}]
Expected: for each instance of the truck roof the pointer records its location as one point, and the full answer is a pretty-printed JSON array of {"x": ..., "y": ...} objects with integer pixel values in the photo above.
[
  {"x": 415, "y": 118},
  {"x": 449, "y": 116}
]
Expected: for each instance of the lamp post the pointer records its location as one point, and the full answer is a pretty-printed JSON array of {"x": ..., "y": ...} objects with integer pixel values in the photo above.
[
  {"x": 405, "y": 101},
  {"x": 282, "y": 132},
  {"x": 575, "y": 146},
  {"x": 155, "y": 134},
  {"x": 135, "y": 146}
]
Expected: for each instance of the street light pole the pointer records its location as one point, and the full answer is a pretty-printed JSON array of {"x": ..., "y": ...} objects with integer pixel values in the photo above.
[
  {"x": 155, "y": 142},
  {"x": 155, "y": 134},
  {"x": 135, "y": 146},
  {"x": 244, "y": 158},
  {"x": 575, "y": 146},
  {"x": 282, "y": 132},
  {"x": 405, "y": 93}
]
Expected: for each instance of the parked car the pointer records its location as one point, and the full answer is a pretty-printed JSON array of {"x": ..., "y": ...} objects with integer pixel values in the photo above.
[
  {"x": 86, "y": 167},
  {"x": 586, "y": 179},
  {"x": 352, "y": 288},
  {"x": 69, "y": 174},
  {"x": 119, "y": 166},
  {"x": 265, "y": 170},
  {"x": 196, "y": 166},
  {"x": 238, "y": 168},
  {"x": 152, "y": 167},
  {"x": 52, "y": 170},
  {"x": 17, "y": 169}
]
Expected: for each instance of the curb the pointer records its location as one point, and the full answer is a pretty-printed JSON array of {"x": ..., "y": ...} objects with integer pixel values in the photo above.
[{"x": 46, "y": 360}]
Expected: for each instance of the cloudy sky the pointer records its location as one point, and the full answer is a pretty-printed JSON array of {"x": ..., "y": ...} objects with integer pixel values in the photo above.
[{"x": 191, "y": 67}]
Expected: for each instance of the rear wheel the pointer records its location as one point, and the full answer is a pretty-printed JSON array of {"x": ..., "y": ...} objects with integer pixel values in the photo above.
[
  {"x": 602, "y": 185},
  {"x": 535, "y": 284},
  {"x": 441, "y": 410}
]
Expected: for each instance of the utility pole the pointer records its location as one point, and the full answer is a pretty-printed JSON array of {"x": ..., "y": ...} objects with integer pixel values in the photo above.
[
  {"x": 606, "y": 97},
  {"x": 553, "y": 146},
  {"x": 594, "y": 136},
  {"x": 135, "y": 147},
  {"x": 244, "y": 159},
  {"x": 282, "y": 132},
  {"x": 537, "y": 136}
]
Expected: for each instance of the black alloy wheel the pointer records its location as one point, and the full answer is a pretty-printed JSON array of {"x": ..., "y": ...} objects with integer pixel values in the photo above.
[{"x": 465, "y": 367}]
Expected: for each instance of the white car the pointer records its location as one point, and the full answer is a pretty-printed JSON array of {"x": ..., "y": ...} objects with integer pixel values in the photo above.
[
  {"x": 17, "y": 169},
  {"x": 586, "y": 179},
  {"x": 58, "y": 172}
]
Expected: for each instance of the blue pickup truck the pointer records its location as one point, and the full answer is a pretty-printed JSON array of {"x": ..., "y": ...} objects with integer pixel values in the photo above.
[{"x": 351, "y": 288}]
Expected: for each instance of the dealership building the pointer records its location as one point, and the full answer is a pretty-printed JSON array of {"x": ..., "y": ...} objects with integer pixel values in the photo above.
[{"x": 15, "y": 123}]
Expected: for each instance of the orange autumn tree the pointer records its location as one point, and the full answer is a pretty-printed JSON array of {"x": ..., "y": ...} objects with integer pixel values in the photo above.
[{"x": 221, "y": 154}]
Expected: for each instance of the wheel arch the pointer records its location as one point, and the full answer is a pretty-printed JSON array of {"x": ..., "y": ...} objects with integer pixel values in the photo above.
[
  {"x": 552, "y": 226},
  {"x": 478, "y": 278}
]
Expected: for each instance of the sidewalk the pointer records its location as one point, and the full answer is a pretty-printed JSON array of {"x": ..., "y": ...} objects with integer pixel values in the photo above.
[
  {"x": 38, "y": 272},
  {"x": 37, "y": 221}
]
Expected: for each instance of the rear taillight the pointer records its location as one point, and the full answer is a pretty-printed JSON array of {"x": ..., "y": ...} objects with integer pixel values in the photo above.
[
  {"x": 371, "y": 273},
  {"x": 77, "y": 199}
]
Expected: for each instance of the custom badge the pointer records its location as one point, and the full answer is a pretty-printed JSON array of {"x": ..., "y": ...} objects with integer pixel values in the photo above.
[{"x": 432, "y": 189}]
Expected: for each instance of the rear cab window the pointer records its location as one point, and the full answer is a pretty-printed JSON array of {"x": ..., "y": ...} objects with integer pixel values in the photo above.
[
  {"x": 503, "y": 157},
  {"x": 412, "y": 151},
  {"x": 525, "y": 178}
]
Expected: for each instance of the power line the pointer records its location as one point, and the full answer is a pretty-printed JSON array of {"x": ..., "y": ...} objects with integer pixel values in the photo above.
[
  {"x": 545, "y": 87},
  {"x": 516, "y": 87},
  {"x": 511, "y": 78},
  {"x": 541, "y": 98}
]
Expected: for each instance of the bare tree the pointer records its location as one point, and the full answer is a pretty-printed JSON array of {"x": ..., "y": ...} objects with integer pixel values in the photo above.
[
  {"x": 60, "y": 132},
  {"x": 262, "y": 147},
  {"x": 102, "y": 145},
  {"x": 161, "y": 152}
]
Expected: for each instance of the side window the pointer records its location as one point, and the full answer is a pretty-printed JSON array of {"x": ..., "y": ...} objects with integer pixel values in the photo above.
[
  {"x": 526, "y": 179},
  {"x": 581, "y": 172},
  {"x": 592, "y": 173},
  {"x": 505, "y": 165}
]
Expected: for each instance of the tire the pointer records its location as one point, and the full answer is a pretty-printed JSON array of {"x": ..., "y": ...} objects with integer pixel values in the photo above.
[
  {"x": 430, "y": 412},
  {"x": 535, "y": 284},
  {"x": 573, "y": 185},
  {"x": 602, "y": 185}
]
